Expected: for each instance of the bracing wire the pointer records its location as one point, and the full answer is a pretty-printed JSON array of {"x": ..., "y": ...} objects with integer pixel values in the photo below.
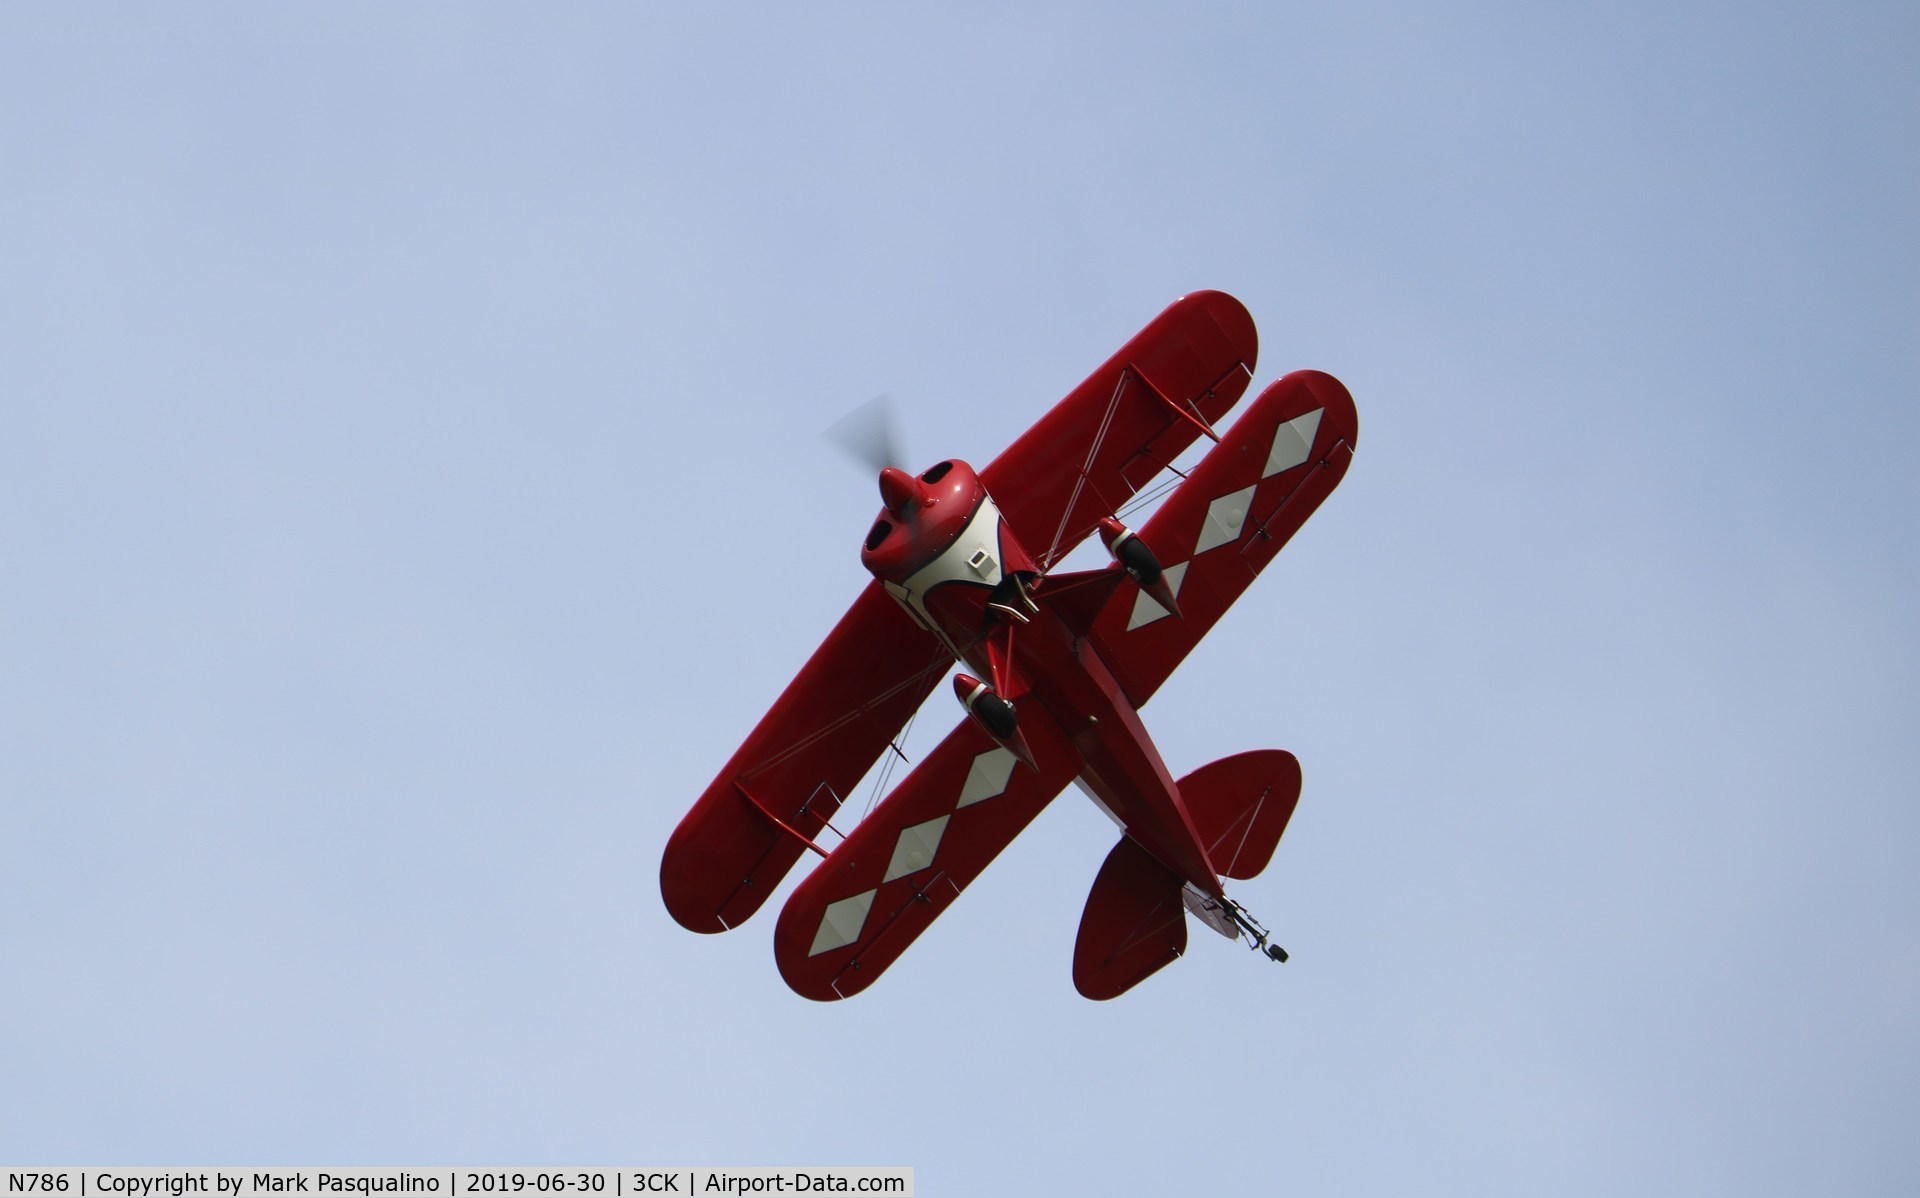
[{"x": 892, "y": 759}]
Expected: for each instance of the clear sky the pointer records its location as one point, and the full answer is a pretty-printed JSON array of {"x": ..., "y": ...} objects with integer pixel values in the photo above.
[{"x": 411, "y": 490}]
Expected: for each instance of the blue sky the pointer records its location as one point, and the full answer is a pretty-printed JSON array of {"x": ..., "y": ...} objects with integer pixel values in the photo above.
[{"x": 411, "y": 490}]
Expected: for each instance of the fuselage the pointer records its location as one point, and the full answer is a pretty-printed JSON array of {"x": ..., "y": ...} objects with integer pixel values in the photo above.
[{"x": 941, "y": 548}]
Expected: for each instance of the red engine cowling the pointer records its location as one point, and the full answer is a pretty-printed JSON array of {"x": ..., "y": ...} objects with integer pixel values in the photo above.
[{"x": 922, "y": 516}]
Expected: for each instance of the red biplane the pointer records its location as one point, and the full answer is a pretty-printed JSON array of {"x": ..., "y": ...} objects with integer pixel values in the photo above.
[{"x": 1061, "y": 664}]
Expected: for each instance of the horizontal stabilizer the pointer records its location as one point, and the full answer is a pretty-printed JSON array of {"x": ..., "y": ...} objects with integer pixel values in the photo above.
[
  {"x": 1240, "y": 805},
  {"x": 1134, "y": 924}
]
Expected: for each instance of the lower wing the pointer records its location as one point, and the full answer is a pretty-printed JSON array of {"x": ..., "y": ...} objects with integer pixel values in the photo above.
[
  {"x": 906, "y": 862},
  {"x": 1221, "y": 526}
]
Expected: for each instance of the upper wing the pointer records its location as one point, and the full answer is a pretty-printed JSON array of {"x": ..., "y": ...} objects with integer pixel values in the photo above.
[
  {"x": 1124, "y": 424},
  {"x": 1244, "y": 500},
  {"x": 822, "y": 734},
  {"x": 904, "y": 864}
]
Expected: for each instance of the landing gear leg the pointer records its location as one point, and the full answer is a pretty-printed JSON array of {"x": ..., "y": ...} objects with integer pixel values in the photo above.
[{"x": 1258, "y": 938}]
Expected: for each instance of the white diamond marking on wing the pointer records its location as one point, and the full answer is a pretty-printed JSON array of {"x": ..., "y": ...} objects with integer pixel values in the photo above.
[
  {"x": 1225, "y": 517},
  {"x": 987, "y": 778},
  {"x": 1146, "y": 609},
  {"x": 841, "y": 924},
  {"x": 915, "y": 848},
  {"x": 1292, "y": 442}
]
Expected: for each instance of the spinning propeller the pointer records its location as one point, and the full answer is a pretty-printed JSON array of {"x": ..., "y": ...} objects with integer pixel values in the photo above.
[{"x": 870, "y": 435}]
